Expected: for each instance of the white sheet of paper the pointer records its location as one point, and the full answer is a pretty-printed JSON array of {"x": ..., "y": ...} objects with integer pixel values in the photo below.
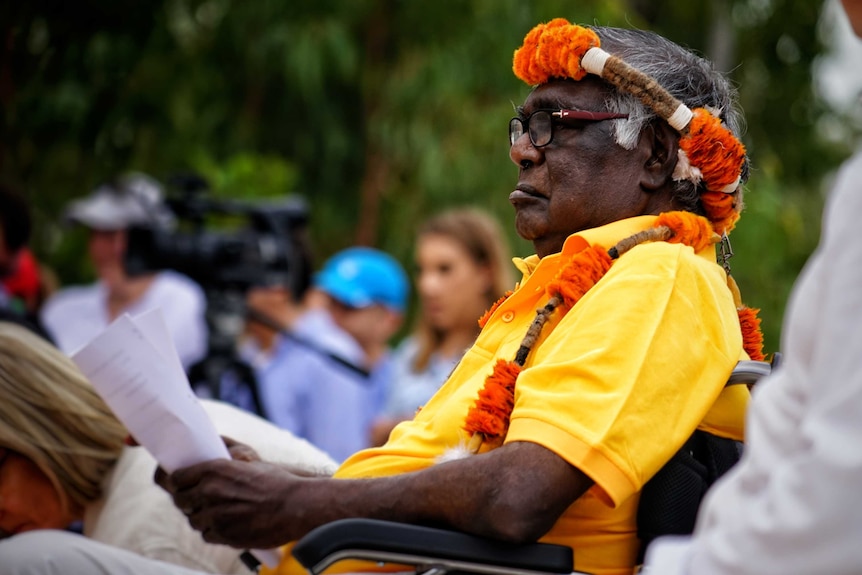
[{"x": 136, "y": 369}]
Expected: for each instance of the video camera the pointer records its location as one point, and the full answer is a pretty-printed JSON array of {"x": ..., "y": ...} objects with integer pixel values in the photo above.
[{"x": 266, "y": 250}]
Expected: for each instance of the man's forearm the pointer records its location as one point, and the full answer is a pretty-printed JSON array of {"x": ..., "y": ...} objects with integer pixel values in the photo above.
[{"x": 515, "y": 493}]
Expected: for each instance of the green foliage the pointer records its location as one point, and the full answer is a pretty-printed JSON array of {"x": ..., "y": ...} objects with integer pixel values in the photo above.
[
  {"x": 778, "y": 231},
  {"x": 247, "y": 176},
  {"x": 378, "y": 111}
]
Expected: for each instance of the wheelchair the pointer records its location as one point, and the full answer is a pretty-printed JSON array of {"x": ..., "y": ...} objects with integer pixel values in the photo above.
[{"x": 668, "y": 506}]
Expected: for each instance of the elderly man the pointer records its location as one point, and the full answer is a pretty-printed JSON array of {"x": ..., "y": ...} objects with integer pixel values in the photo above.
[{"x": 553, "y": 421}]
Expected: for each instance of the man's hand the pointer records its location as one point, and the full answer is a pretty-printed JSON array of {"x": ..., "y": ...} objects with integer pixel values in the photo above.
[
  {"x": 235, "y": 502},
  {"x": 230, "y": 501}
]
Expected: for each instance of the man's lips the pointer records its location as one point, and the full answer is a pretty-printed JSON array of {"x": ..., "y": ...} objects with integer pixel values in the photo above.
[{"x": 525, "y": 193}]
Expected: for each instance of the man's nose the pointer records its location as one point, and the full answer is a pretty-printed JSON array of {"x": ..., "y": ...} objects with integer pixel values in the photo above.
[{"x": 523, "y": 153}]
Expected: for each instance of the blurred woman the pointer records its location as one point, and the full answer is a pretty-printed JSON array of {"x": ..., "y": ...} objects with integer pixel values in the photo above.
[
  {"x": 462, "y": 268},
  {"x": 63, "y": 461}
]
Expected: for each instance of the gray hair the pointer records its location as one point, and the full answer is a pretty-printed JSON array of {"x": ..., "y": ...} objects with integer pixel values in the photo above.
[
  {"x": 691, "y": 79},
  {"x": 51, "y": 414}
]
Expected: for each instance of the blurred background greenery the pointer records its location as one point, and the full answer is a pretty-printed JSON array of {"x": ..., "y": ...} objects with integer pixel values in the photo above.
[{"x": 380, "y": 112}]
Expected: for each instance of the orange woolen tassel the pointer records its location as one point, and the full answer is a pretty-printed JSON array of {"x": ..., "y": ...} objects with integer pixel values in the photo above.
[
  {"x": 553, "y": 50},
  {"x": 711, "y": 147},
  {"x": 490, "y": 414},
  {"x": 561, "y": 48},
  {"x": 721, "y": 210},
  {"x": 578, "y": 276},
  {"x": 752, "y": 337},
  {"x": 688, "y": 228},
  {"x": 524, "y": 63},
  {"x": 548, "y": 51}
]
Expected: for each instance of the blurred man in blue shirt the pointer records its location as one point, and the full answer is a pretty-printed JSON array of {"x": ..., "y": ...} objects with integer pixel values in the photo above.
[{"x": 330, "y": 376}]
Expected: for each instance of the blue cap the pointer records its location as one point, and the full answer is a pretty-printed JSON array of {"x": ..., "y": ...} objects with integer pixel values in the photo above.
[{"x": 360, "y": 277}]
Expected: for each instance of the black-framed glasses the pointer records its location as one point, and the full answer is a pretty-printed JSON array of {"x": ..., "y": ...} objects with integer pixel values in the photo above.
[{"x": 540, "y": 124}]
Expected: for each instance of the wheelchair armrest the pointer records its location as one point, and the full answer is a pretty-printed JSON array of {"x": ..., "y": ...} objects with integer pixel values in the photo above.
[
  {"x": 749, "y": 372},
  {"x": 402, "y": 543}
]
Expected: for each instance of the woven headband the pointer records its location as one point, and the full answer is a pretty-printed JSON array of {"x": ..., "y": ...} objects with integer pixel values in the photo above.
[{"x": 708, "y": 150}]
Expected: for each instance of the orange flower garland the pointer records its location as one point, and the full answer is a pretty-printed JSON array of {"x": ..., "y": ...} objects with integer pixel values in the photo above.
[
  {"x": 485, "y": 316},
  {"x": 578, "y": 276},
  {"x": 752, "y": 337},
  {"x": 489, "y": 417}
]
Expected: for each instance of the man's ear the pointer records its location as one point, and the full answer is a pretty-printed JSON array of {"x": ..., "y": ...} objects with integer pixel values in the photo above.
[{"x": 663, "y": 146}]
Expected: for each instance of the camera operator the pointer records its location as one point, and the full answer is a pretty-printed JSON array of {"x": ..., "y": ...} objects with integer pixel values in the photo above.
[
  {"x": 271, "y": 312},
  {"x": 321, "y": 372},
  {"x": 253, "y": 261},
  {"x": 74, "y": 315}
]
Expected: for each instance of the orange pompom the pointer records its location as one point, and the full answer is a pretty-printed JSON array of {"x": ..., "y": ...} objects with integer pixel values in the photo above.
[
  {"x": 490, "y": 414},
  {"x": 713, "y": 149},
  {"x": 688, "y": 228},
  {"x": 752, "y": 337},
  {"x": 553, "y": 50},
  {"x": 524, "y": 62},
  {"x": 579, "y": 275}
]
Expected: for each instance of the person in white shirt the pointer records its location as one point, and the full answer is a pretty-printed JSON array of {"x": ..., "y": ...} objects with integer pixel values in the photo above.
[
  {"x": 76, "y": 314},
  {"x": 793, "y": 504}
]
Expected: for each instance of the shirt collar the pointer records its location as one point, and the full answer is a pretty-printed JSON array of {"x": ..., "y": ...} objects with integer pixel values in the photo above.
[{"x": 606, "y": 235}]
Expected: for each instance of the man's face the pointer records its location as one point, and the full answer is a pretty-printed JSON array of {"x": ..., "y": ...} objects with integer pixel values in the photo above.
[
  {"x": 581, "y": 179},
  {"x": 370, "y": 326}
]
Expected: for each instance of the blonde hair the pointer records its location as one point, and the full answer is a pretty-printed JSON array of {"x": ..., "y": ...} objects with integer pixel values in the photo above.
[
  {"x": 52, "y": 415},
  {"x": 482, "y": 238}
]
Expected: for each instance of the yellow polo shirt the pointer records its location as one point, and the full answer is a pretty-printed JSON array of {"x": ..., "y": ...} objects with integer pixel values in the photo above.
[{"x": 614, "y": 387}]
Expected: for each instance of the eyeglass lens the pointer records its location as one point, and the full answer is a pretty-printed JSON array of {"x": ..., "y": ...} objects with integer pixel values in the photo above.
[{"x": 539, "y": 125}]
